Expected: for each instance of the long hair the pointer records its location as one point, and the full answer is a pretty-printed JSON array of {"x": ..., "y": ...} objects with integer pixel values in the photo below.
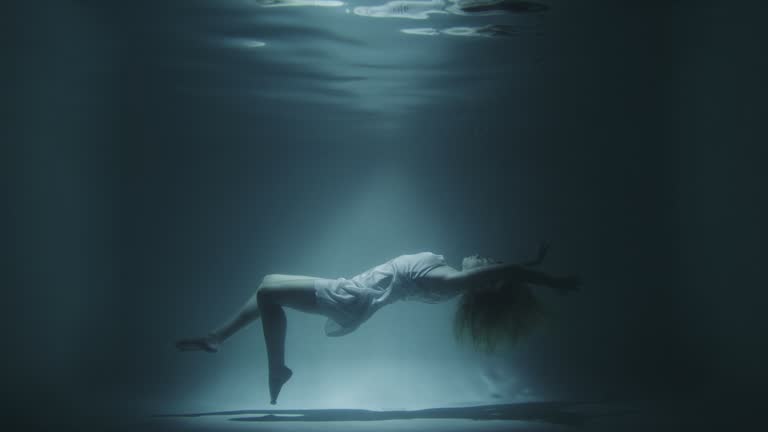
[{"x": 500, "y": 313}]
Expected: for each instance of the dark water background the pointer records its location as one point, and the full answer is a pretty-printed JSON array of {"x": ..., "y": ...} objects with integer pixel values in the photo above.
[{"x": 159, "y": 162}]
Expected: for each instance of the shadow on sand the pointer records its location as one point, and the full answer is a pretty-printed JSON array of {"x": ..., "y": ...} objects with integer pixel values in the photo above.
[{"x": 561, "y": 413}]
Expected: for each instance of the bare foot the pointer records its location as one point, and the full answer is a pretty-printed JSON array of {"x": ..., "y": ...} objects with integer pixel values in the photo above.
[
  {"x": 207, "y": 343},
  {"x": 276, "y": 381}
]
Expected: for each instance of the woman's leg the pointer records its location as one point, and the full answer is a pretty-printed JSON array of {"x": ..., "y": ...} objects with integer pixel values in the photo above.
[
  {"x": 248, "y": 313},
  {"x": 250, "y": 310},
  {"x": 275, "y": 292}
]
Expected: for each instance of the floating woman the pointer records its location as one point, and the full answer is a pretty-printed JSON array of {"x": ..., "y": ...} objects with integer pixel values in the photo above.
[{"x": 497, "y": 302}]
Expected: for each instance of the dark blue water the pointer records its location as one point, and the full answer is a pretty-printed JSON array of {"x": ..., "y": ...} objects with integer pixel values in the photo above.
[
  {"x": 162, "y": 157},
  {"x": 345, "y": 135}
]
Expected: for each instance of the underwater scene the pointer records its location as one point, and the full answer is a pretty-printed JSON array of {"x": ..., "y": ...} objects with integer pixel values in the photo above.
[{"x": 416, "y": 215}]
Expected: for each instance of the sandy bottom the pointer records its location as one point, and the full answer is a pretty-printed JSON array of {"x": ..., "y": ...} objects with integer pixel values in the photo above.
[{"x": 536, "y": 416}]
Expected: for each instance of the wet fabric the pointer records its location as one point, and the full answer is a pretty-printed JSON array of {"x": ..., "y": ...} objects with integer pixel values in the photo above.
[{"x": 350, "y": 302}]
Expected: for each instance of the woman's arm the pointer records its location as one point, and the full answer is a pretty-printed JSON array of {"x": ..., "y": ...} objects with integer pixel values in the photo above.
[
  {"x": 491, "y": 273},
  {"x": 455, "y": 280}
]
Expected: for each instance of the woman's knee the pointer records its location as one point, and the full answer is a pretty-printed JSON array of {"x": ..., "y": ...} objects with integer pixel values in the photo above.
[
  {"x": 270, "y": 283},
  {"x": 296, "y": 292},
  {"x": 266, "y": 295},
  {"x": 267, "y": 280},
  {"x": 266, "y": 289}
]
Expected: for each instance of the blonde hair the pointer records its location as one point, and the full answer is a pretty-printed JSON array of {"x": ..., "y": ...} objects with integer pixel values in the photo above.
[{"x": 500, "y": 313}]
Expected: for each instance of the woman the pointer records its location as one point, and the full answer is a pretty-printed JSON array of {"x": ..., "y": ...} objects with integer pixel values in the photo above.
[{"x": 496, "y": 301}]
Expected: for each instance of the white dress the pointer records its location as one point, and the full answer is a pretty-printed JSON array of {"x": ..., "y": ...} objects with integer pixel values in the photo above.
[{"x": 350, "y": 302}]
